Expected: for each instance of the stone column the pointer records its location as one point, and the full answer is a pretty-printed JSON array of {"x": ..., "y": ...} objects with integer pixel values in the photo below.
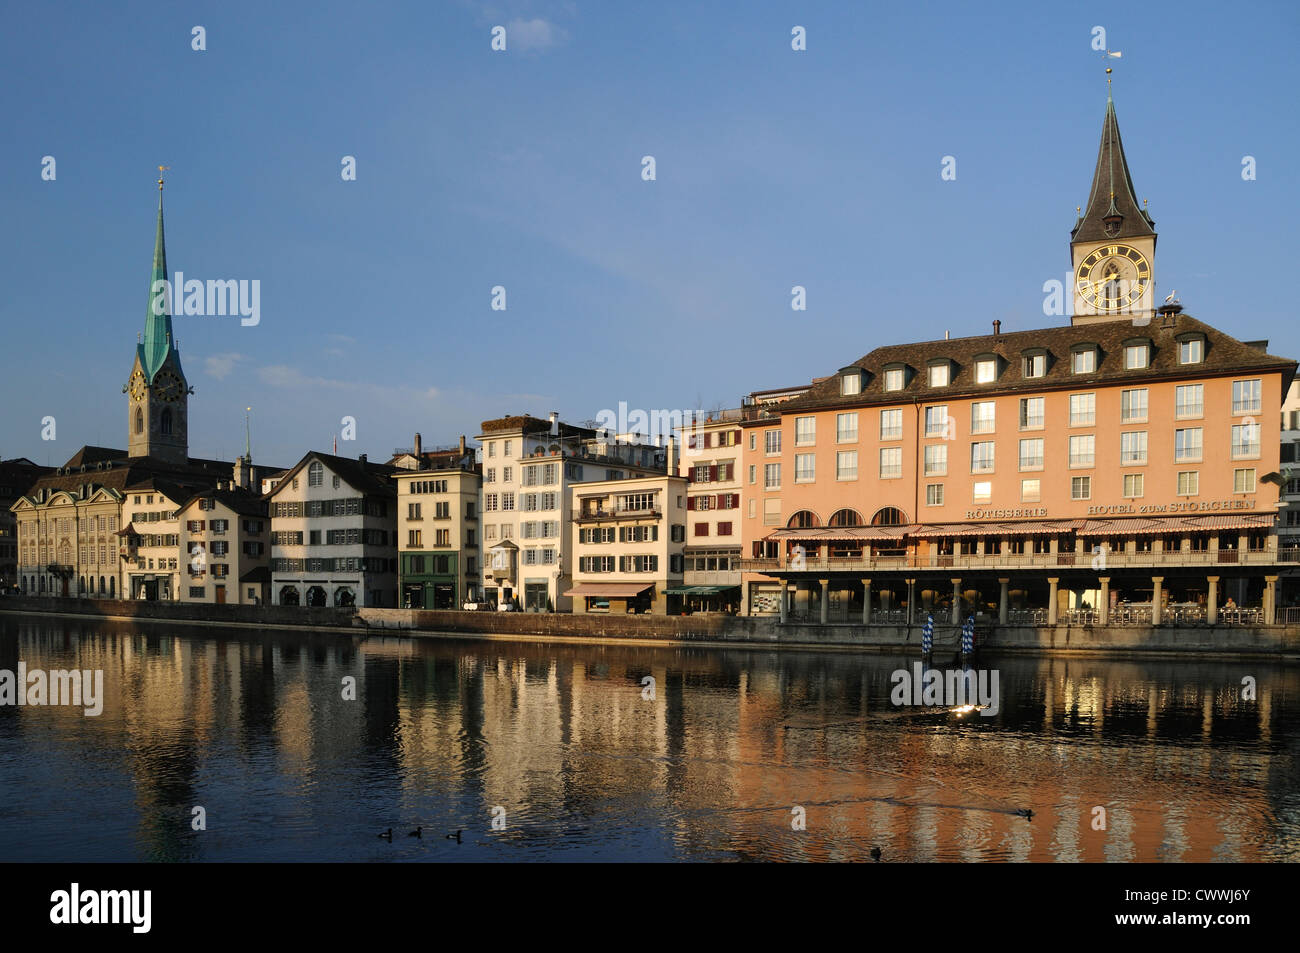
[
  {"x": 826, "y": 599},
  {"x": 1157, "y": 590},
  {"x": 1212, "y": 601},
  {"x": 1270, "y": 599},
  {"x": 1053, "y": 610},
  {"x": 1003, "y": 601},
  {"x": 956, "y": 602},
  {"x": 785, "y": 601},
  {"x": 866, "y": 602},
  {"x": 911, "y": 600},
  {"x": 1103, "y": 609}
]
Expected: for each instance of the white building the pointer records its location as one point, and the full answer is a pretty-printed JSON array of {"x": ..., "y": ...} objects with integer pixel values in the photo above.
[{"x": 334, "y": 534}]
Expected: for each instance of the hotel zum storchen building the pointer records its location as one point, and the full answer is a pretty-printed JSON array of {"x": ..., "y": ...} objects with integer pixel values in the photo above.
[{"x": 1121, "y": 469}]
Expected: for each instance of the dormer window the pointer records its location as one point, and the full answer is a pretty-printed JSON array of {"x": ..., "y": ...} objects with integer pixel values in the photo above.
[
  {"x": 939, "y": 374},
  {"x": 1137, "y": 355},
  {"x": 1035, "y": 363},
  {"x": 986, "y": 369},
  {"x": 1191, "y": 350},
  {"x": 850, "y": 381},
  {"x": 1083, "y": 360},
  {"x": 895, "y": 378}
]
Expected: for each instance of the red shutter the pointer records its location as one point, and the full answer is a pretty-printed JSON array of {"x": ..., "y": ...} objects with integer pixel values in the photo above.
[
  {"x": 735, "y": 500},
  {"x": 713, "y": 474},
  {"x": 690, "y": 502}
]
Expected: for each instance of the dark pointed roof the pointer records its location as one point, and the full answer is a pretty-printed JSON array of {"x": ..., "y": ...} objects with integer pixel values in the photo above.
[{"x": 1112, "y": 191}]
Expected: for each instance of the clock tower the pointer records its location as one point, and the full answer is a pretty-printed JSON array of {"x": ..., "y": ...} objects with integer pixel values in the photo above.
[
  {"x": 157, "y": 392},
  {"x": 1113, "y": 244}
]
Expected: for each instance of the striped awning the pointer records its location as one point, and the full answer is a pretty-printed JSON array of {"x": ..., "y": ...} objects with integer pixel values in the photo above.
[
  {"x": 1176, "y": 525},
  {"x": 832, "y": 534},
  {"x": 1027, "y": 528},
  {"x": 610, "y": 590}
]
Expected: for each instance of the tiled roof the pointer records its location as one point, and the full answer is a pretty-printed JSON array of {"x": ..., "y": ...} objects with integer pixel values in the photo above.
[
  {"x": 1223, "y": 355},
  {"x": 365, "y": 477},
  {"x": 243, "y": 502},
  {"x": 530, "y": 424}
]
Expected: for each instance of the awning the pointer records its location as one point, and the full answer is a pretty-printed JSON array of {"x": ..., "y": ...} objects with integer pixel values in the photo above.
[
  {"x": 1026, "y": 528},
  {"x": 832, "y": 534},
  {"x": 610, "y": 590},
  {"x": 698, "y": 590},
  {"x": 1176, "y": 524}
]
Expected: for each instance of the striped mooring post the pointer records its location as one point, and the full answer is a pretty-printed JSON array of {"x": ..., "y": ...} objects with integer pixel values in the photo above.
[
  {"x": 968, "y": 636},
  {"x": 927, "y": 635}
]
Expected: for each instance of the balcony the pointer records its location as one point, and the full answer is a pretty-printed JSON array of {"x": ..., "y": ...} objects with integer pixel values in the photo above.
[
  {"x": 1207, "y": 559},
  {"x": 618, "y": 513}
]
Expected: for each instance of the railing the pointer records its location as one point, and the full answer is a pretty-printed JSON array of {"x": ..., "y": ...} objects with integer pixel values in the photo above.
[{"x": 1100, "y": 562}]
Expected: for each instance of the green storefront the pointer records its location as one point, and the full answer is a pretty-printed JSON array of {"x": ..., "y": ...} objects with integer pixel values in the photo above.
[{"x": 430, "y": 580}]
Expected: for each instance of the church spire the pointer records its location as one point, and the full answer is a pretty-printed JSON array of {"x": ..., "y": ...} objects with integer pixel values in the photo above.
[
  {"x": 1112, "y": 210},
  {"x": 158, "y": 341}
]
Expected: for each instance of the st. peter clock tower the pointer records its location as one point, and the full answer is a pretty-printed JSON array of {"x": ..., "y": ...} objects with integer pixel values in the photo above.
[
  {"x": 157, "y": 392},
  {"x": 1113, "y": 244}
]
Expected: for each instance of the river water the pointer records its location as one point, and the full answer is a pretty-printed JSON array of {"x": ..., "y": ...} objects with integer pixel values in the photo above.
[{"x": 562, "y": 748}]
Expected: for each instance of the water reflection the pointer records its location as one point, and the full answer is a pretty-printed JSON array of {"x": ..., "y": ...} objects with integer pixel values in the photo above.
[{"x": 254, "y": 728}]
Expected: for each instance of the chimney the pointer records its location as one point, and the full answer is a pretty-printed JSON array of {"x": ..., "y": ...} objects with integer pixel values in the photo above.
[
  {"x": 362, "y": 458},
  {"x": 555, "y": 423},
  {"x": 671, "y": 458},
  {"x": 997, "y": 327},
  {"x": 462, "y": 445},
  {"x": 947, "y": 335},
  {"x": 419, "y": 445}
]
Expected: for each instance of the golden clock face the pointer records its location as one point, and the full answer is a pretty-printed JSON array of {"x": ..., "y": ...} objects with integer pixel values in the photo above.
[
  {"x": 1113, "y": 277},
  {"x": 168, "y": 386},
  {"x": 137, "y": 386}
]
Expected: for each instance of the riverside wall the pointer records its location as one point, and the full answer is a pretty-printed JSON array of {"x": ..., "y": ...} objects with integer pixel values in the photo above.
[{"x": 1277, "y": 640}]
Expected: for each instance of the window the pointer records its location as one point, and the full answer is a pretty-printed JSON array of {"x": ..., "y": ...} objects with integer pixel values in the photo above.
[
  {"x": 982, "y": 416},
  {"x": 805, "y": 467},
  {"x": 753, "y": 474},
  {"x": 753, "y": 440},
  {"x": 1083, "y": 410},
  {"x": 981, "y": 457},
  {"x": 1083, "y": 361},
  {"x": 1191, "y": 352},
  {"x": 851, "y": 384},
  {"x": 771, "y": 442},
  {"x": 442, "y": 537},
  {"x": 1243, "y": 481},
  {"x": 846, "y": 428},
  {"x": 1133, "y": 449},
  {"x": 891, "y": 425},
  {"x": 939, "y": 376},
  {"x": 315, "y": 474},
  {"x": 1136, "y": 356},
  {"x": 805, "y": 431},
  {"x": 937, "y": 421},
  {"x": 1035, "y": 365},
  {"x": 894, "y": 378},
  {"x": 412, "y": 511},
  {"x": 771, "y": 476},
  {"x": 1133, "y": 405},
  {"x": 1032, "y": 415},
  {"x": 1031, "y": 491},
  {"x": 986, "y": 370},
  {"x": 1189, "y": 400},
  {"x": 1083, "y": 450},
  {"x": 1246, "y": 397},
  {"x": 846, "y": 464},
  {"x": 983, "y": 492},
  {"x": 934, "y": 494},
  {"x": 1245, "y": 440},
  {"x": 1133, "y": 484},
  {"x": 1189, "y": 482},
  {"x": 505, "y": 448},
  {"x": 1081, "y": 488},
  {"x": 1187, "y": 444},
  {"x": 936, "y": 460},
  {"x": 1031, "y": 454},
  {"x": 413, "y": 537},
  {"x": 891, "y": 462}
]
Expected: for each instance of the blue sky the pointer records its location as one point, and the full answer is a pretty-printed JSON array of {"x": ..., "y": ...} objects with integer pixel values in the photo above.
[{"x": 477, "y": 168}]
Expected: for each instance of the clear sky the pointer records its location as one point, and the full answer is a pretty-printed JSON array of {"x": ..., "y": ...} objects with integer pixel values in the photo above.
[{"x": 522, "y": 169}]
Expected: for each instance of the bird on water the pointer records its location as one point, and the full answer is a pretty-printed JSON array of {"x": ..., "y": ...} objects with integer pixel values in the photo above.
[
  {"x": 456, "y": 836},
  {"x": 418, "y": 832},
  {"x": 387, "y": 835}
]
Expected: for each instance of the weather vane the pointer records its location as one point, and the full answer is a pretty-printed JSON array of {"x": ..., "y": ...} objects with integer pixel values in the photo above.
[
  {"x": 164, "y": 168},
  {"x": 1108, "y": 55}
]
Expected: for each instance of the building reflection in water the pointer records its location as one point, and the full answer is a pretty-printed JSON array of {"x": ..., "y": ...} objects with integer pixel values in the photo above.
[{"x": 254, "y": 728}]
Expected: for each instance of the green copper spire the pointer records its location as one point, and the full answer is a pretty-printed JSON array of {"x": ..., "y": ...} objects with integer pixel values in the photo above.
[{"x": 158, "y": 341}]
